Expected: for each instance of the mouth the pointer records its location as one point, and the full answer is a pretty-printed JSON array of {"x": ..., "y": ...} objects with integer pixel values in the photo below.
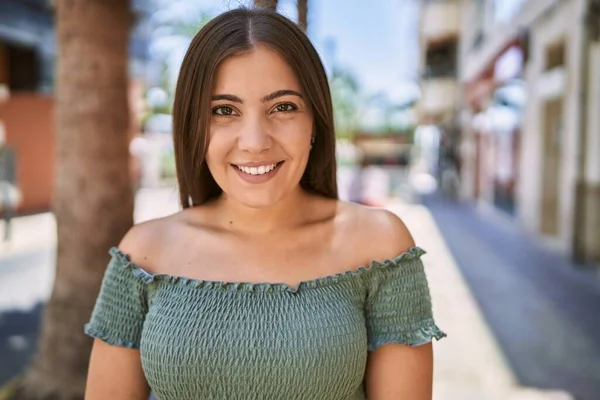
[{"x": 265, "y": 169}]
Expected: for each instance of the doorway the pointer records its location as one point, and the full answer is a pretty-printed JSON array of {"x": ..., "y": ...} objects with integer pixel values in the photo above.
[{"x": 551, "y": 163}]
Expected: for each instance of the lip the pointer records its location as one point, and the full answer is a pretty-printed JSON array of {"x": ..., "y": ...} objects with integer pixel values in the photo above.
[
  {"x": 257, "y": 178},
  {"x": 256, "y": 163}
]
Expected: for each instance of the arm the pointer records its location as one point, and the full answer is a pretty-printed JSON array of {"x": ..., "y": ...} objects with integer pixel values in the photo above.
[
  {"x": 115, "y": 369},
  {"x": 400, "y": 363},
  {"x": 115, "y": 373},
  {"x": 396, "y": 371}
]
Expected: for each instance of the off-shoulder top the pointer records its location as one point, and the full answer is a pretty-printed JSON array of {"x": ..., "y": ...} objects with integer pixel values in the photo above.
[{"x": 232, "y": 340}]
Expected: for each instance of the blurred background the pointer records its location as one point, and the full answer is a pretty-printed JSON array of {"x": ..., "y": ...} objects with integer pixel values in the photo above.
[{"x": 476, "y": 121}]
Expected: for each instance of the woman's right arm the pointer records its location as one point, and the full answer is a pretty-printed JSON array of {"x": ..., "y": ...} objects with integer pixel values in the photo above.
[
  {"x": 115, "y": 373},
  {"x": 115, "y": 368}
]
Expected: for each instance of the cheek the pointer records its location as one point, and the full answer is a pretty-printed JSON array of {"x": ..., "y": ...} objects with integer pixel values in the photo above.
[
  {"x": 295, "y": 137},
  {"x": 217, "y": 150}
]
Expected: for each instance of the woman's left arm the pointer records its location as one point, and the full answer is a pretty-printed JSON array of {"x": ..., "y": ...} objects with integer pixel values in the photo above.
[
  {"x": 399, "y": 316},
  {"x": 396, "y": 371}
]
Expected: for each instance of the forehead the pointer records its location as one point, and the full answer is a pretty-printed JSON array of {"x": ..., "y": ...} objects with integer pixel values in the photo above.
[{"x": 259, "y": 71}]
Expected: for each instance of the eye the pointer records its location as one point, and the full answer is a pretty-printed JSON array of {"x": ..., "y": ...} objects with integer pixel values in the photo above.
[
  {"x": 223, "y": 111},
  {"x": 285, "y": 108}
]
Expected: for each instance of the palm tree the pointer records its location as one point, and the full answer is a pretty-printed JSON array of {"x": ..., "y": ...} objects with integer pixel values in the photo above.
[
  {"x": 93, "y": 198},
  {"x": 303, "y": 14},
  {"x": 268, "y": 4},
  {"x": 302, "y": 6}
]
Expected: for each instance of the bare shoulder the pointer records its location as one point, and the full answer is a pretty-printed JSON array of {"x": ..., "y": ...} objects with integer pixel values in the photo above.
[
  {"x": 145, "y": 242},
  {"x": 143, "y": 237},
  {"x": 154, "y": 244},
  {"x": 377, "y": 234}
]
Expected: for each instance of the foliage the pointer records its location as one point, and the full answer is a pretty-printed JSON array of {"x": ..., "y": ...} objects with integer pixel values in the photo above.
[
  {"x": 175, "y": 25},
  {"x": 346, "y": 98},
  {"x": 353, "y": 108}
]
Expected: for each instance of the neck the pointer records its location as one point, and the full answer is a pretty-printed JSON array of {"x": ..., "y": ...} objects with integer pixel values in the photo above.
[{"x": 287, "y": 213}]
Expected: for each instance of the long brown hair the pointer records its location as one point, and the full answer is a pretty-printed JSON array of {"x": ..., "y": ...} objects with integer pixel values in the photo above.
[{"x": 235, "y": 32}]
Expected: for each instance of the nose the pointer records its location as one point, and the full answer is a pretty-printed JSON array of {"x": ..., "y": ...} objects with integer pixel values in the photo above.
[{"x": 254, "y": 136}]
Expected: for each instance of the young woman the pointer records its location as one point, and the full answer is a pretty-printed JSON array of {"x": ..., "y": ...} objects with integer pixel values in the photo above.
[{"x": 265, "y": 286}]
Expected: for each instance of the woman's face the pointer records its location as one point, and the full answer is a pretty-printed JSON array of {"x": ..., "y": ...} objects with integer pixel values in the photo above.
[{"x": 261, "y": 129}]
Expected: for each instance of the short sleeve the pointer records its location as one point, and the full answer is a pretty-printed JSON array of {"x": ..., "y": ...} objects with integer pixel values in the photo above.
[
  {"x": 121, "y": 306},
  {"x": 398, "y": 306}
]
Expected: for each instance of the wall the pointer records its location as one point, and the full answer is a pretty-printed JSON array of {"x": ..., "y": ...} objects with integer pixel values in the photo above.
[
  {"x": 549, "y": 29},
  {"x": 593, "y": 159},
  {"x": 438, "y": 95},
  {"x": 29, "y": 122},
  {"x": 593, "y": 142},
  {"x": 440, "y": 19},
  {"x": 497, "y": 35}
]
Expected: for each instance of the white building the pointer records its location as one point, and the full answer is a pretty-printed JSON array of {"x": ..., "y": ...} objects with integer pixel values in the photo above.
[
  {"x": 439, "y": 34},
  {"x": 530, "y": 142},
  {"x": 437, "y": 108}
]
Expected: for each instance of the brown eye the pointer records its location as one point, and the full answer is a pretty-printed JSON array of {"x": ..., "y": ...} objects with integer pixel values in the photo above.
[
  {"x": 223, "y": 111},
  {"x": 285, "y": 107}
]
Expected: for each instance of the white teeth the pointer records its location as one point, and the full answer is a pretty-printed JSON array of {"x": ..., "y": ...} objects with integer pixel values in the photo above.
[{"x": 263, "y": 169}]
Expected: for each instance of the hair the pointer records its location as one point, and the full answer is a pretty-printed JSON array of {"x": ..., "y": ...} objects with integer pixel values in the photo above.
[{"x": 232, "y": 33}]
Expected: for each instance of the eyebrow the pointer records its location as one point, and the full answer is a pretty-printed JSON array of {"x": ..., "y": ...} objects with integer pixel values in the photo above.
[
  {"x": 229, "y": 97},
  {"x": 269, "y": 97},
  {"x": 281, "y": 93}
]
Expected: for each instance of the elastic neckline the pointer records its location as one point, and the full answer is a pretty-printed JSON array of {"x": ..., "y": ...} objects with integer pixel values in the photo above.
[{"x": 329, "y": 280}]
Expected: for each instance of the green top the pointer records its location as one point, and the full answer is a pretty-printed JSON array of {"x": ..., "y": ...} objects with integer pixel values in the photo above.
[{"x": 216, "y": 340}]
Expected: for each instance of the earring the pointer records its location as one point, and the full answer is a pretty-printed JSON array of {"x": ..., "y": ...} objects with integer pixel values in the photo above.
[{"x": 312, "y": 141}]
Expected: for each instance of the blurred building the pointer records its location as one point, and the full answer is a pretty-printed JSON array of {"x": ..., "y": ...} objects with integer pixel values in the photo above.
[
  {"x": 27, "y": 55},
  {"x": 529, "y": 78},
  {"x": 491, "y": 61},
  {"x": 27, "y": 52},
  {"x": 439, "y": 40}
]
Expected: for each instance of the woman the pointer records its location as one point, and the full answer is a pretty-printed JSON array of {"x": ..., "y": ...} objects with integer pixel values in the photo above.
[{"x": 265, "y": 286}]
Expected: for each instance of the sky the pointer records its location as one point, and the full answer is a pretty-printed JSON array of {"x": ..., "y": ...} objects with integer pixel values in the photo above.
[{"x": 376, "y": 40}]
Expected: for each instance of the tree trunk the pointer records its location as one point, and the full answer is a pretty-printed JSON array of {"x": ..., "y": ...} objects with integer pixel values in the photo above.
[
  {"x": 268, "y": 4},
  {"x": 93, "y": 200},
  {"x": 303, "y": 14}
]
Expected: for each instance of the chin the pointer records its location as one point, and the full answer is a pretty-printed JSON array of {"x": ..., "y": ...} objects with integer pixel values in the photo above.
[{"x": 257, "y": 200}]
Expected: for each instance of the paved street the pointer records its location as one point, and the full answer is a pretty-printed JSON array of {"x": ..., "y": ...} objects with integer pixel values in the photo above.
[
  {"x": 470, "y": 364},
  {"x": 543, "y": 311}
]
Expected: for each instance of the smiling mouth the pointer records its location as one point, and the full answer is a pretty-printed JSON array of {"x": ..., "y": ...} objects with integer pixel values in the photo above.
[{"x": 261, "y": 170}]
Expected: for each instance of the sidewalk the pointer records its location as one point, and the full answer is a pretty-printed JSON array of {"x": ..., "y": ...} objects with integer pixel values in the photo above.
[
  {"x": 469, "y": 363},
  {"x": 543, "y": 311},
  {"x": 26, "y": 262},
  {"x": 27, "y": 275}
]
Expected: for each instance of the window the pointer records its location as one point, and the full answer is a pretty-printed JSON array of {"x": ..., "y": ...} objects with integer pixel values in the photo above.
[
  {"x": 440, "y": 59},
  {"x": 19, "y": 68},
  {"x": 555, "y": 55}
]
